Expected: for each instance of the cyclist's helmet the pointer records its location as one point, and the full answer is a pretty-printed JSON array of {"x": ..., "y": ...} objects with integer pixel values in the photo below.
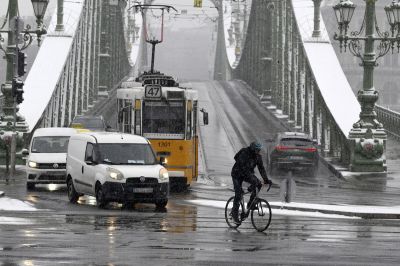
[{"x": 256, "y": 146}]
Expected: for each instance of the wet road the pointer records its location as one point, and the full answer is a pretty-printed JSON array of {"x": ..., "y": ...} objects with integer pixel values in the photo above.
[
  {"x": 183, "y": 234},
  {"x": 188, "y": 232}
]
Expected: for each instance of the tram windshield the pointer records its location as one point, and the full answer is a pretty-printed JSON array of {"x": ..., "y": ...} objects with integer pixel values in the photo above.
[{"x": 164, "y": 117}]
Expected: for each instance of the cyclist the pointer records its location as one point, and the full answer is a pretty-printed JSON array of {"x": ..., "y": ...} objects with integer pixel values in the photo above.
[{"x": 243, "y": 170}]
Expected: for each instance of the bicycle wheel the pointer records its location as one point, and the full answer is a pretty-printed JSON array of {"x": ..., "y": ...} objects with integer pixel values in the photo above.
[
  {"x": 228, "y": 213},
  {"x": 261, "y": 216}
]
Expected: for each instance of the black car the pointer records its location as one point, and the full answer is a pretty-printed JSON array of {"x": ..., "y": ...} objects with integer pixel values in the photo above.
[
  {"x": 92, "y": 123},
  {"x": 293, "y": 151}
]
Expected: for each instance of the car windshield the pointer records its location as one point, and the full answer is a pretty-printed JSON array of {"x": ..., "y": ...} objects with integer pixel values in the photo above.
[
  {"x": 89, "y": 122},
  {"x": 296, "y": 142},
  {"x": 164, "y": 117},
  {"x": 56, "y": 144},
  {"x": 126, "y": 153}
]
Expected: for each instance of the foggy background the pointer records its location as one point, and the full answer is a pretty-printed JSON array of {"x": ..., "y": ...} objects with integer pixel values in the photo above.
[{"x": 188, "y": 49}]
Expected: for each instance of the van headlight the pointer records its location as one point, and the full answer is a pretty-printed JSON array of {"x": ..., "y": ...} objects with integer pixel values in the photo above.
[
  {"x": 115, "y": 174},
  {"x": 163, "y": 174},
  {"x": 32, "y": 164}
]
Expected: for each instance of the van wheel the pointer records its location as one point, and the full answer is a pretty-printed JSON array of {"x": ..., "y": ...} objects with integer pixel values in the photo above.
[
  {"x": 72, "y": 194},
  {"x": 100, "y": 199},
  {"x": 30, "y": 186},
  {"x": 161, "y": 203}
]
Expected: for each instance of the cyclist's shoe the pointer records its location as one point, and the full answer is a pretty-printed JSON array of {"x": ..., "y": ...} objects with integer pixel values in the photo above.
[
  {"x": 254, "y": 207},
  {"x": 236, "y": 219}
]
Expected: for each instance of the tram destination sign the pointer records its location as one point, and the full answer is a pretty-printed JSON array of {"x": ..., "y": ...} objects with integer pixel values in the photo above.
[{"x": 152, "y": 91}]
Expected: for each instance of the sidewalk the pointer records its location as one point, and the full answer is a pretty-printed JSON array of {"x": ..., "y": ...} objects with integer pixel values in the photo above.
[{"x": 19, "y": 169}]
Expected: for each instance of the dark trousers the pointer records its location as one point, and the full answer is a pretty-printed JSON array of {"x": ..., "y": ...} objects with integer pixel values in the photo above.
[{"x": 237, "y": 185}]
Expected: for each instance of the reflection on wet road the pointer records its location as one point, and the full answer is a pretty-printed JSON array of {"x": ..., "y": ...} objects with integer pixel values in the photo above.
[{"x": 188, "y": 235}]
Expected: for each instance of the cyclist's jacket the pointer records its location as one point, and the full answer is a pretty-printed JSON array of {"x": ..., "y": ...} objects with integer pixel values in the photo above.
[{"x": 246, "y": 160}]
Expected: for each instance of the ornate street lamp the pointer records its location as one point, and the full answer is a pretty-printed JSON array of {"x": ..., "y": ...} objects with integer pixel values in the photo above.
[
  {"x": 19, "y": 38},
  {"x": 393, "y": 16},
  {"x": 344, "y": 12},
  {"x": 39, "y": 7},
  {"x": 367, "y": 137}
]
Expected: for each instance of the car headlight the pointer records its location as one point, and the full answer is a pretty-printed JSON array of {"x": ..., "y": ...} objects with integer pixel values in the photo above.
[
  {"x": 32, "y": 164},
  {"x": 164, "y": 174},
  {"x": 115, "y": 174}
]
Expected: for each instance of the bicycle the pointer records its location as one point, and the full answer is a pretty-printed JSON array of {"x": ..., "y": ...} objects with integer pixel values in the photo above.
[{"x": 262, "y": 212}]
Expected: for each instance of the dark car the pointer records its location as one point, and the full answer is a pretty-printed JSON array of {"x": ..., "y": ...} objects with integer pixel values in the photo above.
[
  {"x": 92, "y": 123},
  {"x": 293, "y": 151}
]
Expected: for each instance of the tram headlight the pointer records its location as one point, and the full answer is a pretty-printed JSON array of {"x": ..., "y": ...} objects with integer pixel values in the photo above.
[
  {"x": 115, "y": 174},
  {"x": 163, "y": 174}
]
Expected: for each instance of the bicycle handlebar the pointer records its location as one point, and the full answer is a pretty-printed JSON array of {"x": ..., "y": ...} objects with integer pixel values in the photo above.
[{"x": 269, "y": 186}]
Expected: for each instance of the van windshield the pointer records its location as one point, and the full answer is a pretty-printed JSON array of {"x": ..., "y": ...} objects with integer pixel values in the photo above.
[
  {"x": 56, "y": 144},
  {"x": 126, "y": 153}
]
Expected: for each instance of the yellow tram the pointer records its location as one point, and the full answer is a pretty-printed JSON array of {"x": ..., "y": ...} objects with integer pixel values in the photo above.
[{"x": 167, "y": 115}]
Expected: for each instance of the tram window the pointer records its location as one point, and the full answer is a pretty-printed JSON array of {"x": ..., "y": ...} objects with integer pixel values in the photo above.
[
  {"x": 189, "y": 124},
  {"x": 195, "y": 118},
  {"x": 164, "y": 117},
  {"x": 127, "y": 120}
]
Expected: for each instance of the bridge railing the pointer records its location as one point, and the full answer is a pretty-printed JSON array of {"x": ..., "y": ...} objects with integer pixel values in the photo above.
[
  {"x": 390, "y": 120},
  {"x": 296, "y": 74},
  {"x": 77, "y": 65}
]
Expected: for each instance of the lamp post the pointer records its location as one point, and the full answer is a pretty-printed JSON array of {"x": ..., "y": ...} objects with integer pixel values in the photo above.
[
  {"x": 153, "y": 40},
  {"x": 19, "y": 38},
  {"x": 317, "y": 20},
  {"x": 367, "y": 137}
]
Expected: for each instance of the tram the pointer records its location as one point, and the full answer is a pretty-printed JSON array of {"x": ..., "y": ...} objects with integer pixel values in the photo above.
[{"x": 154, "y": 106}]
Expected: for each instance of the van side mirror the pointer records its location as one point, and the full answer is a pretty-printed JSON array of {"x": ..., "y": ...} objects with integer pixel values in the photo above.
[
  {"x": 110, "y": 129},
  {"x": 269, "y": 140},
  {"x": 25, "y": 152},
  {"x": 163, "y": 161},
  {"x": 90, "y": 161},
  {"x": 205, "y": 116}
]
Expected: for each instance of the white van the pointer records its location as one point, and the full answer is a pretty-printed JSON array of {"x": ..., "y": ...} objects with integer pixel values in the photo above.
[
  {"x": 115, "y": 167},
  {"x": 46, "y": 156}
]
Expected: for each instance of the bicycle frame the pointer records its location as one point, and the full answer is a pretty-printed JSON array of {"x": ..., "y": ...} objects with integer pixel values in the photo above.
[
  {"x": 263, "y": 212},
  {"x": 246, "y": 214}
]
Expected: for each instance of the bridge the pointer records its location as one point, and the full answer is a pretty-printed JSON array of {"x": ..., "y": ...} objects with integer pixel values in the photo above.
[{"x": 278, "y": 55}]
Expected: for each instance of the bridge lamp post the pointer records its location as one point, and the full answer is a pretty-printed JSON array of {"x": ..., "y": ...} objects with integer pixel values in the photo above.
[
  {"x": 151, "y": 37},
  {"x": 367, "y": 137},
  {"x": 19, "y": 38}
]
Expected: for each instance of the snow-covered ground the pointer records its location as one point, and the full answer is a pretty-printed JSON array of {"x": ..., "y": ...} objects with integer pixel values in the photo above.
[
  {"x": 312, "y": 210},
  {"x": 9, "y": 204}
]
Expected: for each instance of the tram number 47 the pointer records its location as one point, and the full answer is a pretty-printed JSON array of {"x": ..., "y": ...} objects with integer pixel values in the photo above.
[{"x": 152, "y": 91}]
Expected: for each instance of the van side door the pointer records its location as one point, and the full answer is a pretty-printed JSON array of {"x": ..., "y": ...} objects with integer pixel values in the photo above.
[
  {"x": 89, "y": 169},
  {"x": 75, "y": 157}
]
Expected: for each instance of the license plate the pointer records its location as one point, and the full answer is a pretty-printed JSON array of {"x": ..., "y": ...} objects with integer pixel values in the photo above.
[
  {"x": 295, "y": 158},
  {"x": 143, "y": 189},
  {"x": 54, "y": 173}
]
